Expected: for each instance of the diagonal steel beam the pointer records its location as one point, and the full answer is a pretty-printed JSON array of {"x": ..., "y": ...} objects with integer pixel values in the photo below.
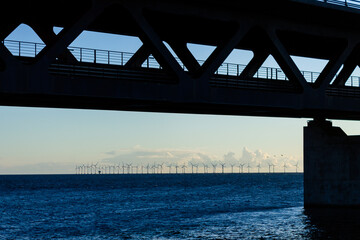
[
  {"x": 284, "y": 60},
  {"x": 139, "y": 57},
  {"x": 186, "y": 57},
  {"x": 149, "y": 37},
  {"x": 255, "y": 63},
  {"x": 69, "y": 34},
  {"x": 348, "y": 68},
  {"x": 220, "y": 53},
  {"x": 47, "y": 35},
  {"x": 333, "y": 66}
]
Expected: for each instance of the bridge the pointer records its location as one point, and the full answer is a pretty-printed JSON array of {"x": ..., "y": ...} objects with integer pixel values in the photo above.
[{"x": 58, "y": 75}]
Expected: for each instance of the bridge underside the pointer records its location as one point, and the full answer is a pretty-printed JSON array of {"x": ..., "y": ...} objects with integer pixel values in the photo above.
[{"x": 55, "y": 78}]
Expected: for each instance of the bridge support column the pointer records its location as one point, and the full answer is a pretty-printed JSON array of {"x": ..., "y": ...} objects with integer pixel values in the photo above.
[{"x": 331, "y": 166}]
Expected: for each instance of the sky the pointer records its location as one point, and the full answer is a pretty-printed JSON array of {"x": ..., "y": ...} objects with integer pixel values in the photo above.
[{"x": 52, "y": 141}]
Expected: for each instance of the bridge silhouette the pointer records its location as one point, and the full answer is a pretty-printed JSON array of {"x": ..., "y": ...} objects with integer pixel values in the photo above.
[
  {"x": 94, "y": 60},
  {"x": 153, "y": 79}
]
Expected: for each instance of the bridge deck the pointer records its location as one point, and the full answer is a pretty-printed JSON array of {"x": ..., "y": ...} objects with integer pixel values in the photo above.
[{"x": 152, "y": 79}]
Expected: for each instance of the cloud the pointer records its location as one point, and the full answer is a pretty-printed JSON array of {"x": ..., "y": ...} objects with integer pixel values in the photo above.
[
  {"x": 142, "y": 156},
  {"x": 247, "y": 156},
  {"x": 230, "y": 157}
]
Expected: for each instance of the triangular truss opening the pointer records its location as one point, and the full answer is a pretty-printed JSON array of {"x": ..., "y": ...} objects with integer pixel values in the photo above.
[
  {"x": 200, "y": 52},
  {"x": 151, "y": 62},
  {"x": 310, "y": 68},
  {"x": 354, "y": 79},
  {"x": 23, "y": 41},
  {"x": 271, "y": 70},
  {"x": 312, "y": 51}
]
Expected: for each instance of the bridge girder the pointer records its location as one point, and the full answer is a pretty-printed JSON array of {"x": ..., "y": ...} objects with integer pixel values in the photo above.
[{"x": 277, "y": 28}]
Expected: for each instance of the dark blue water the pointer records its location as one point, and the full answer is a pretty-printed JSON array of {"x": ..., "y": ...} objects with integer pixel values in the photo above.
[{"x": 198, "y": 206}]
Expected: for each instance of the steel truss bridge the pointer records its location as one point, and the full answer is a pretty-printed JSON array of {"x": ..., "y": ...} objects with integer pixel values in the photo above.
[{"x": 152, "y": 79}]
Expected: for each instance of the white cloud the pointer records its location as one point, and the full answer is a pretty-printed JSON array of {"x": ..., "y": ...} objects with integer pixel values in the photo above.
[{"x": 143, "y": 156}]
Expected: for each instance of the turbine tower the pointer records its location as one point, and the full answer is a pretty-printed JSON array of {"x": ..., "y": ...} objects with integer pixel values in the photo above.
[
  {"x": 169, "y": 166},
  {"x": 205, "y": 168},
  {"x": 258, "y": 166},
  {"x": 192, "y": 167},
  {"x": 297, "y": 166},
  {"x": 270, "y": 164},
  {"x": 222, "y": 167},
  {"x": 241, "y": 166},
  {"x": 197, "y": 168},
  {"x": 161, "y": 167},
  {"x": 285, "y": 166},
  {"x": 184, "y": 168},
  {"x": 214, "y": 167},
  {"x": 232, "y": 168}
]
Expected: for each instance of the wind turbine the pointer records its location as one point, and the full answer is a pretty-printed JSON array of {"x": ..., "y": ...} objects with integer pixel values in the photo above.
[
  {"x": 153, "y": 167},
  {"x": 197, "y": 168},
  {"x": 95, "y": 167},
  {"x": 184, "y": 168},
  {"x": 248, "y": 167},
  {"x": 258, "y": 166},
  {"x": 285, "y": 166},
  {"x": 161, "y": 167},
  {"x": 232, "y": 168},
  {"x": 270, "y": 164},
  {"x": 176, "y": 168},
  {"x": 123, "y": 168},
  {"x": 87, "y": 169},
  {"x": 205, "y": 168},
  {"x": 241, "y": 166},
  {"x": 147, "y": 168},
  {"x": 129, "y": 167},
  {"x": 273, "y": 168},
  {"x": 222, "y": 167},
  {"x": 169, "y": 166},
  {"x": 214, "y": 167},
  {"x": 297, "y": 165},
  {"x": 192, "y": 168},
  {"x": 137, "y": 168}
]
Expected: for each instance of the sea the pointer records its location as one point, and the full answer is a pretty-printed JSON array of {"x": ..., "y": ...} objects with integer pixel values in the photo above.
[{"x": 166, "y": 206}]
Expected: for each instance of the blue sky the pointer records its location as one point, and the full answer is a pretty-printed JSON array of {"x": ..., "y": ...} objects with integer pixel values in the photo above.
[{"x": 39, "y": 140}]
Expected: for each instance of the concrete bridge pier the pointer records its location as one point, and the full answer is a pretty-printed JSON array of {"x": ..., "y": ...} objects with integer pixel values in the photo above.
[{"x": 331, "y": 166}]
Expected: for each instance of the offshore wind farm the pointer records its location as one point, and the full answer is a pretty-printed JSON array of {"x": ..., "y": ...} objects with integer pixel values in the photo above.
[{"x": 190, "y": 168}]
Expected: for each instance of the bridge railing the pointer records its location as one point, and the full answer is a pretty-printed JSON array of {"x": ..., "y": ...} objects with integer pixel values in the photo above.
[
  {"x": 88, "y": 55},
  {"x": 346, "y": 3}
]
